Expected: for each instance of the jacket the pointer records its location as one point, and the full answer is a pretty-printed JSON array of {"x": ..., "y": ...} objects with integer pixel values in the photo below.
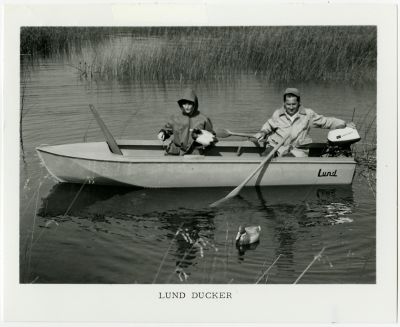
[
  {"x": 180, "y": 126},
  {"x": 280, "y": 124}
]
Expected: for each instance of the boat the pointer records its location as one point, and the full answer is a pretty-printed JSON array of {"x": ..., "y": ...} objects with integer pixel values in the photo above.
[{"x": 143, "y": 163}]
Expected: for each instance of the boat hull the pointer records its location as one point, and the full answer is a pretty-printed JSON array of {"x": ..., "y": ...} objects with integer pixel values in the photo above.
[{"x": 144, "y": 166}]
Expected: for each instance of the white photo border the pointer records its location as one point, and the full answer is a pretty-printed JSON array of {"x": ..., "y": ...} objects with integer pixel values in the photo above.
[{"x": 258, "y": 304}]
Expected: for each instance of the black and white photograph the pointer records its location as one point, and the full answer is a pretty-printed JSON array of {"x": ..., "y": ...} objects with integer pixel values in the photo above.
[
  {"x": 198, "y": 154},
  {"x": 183, "y": 156}
]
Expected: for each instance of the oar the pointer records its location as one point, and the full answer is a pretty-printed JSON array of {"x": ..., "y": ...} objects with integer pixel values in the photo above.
[
  {"x": 226, "y": 133},
  {"x": 237, "y": 190},
  {"x": 109, "y": 138}
]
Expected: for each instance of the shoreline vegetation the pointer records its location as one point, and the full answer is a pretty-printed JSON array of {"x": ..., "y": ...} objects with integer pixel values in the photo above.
[{"x": 279, "y": 53}]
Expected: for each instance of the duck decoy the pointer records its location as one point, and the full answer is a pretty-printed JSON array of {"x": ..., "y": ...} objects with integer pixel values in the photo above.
[
  {"x": 248, "y": 235},
  {"x": 203, "y": 137}
]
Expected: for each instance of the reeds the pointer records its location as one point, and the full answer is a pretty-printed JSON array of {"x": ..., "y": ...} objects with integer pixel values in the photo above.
[
  {"x": 49, "y": 41},
  {"x": 24, "y": 78},
  {"x": 280, "y": 54},
  {"x": 267, "y": 270},
  {"x": 166, "y": 253},
  {"x": 365, "y": 150},
  {"x": 317, "y": 257}
]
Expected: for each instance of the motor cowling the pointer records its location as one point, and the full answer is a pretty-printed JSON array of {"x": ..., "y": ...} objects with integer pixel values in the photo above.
[
  {"x": 343, "y": 136},
  {"x": 339, "y": 141}
]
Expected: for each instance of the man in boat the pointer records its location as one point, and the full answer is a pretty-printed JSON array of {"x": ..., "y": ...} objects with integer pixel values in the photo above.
[
  {"x": 297, "y": 120},
  {"x": 186, "y": 126}
]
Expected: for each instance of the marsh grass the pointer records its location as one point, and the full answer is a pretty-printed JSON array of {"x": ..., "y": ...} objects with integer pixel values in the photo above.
[
  {"x": 29, "y": 238},
  {"x": 22, "y": 112},
  {"x": 265, "y": 273},
  {"x": 50, "y": 41},
  {"x": 317, "y": 257},
  {"x": 280, "y": 54},
  {"x": 365, "y": 150},
  {"x": 166, "y": 253}
]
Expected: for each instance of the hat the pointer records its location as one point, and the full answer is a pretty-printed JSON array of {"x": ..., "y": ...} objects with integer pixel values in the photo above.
[
  {"x": 292, "y": 90},
  {"x": 189, "y": 96}
]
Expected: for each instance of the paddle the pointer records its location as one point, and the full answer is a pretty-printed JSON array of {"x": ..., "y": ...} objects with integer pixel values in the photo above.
[
  {"x": 114, "y": 148},
  {"x": 226, "y": 133},
  {"x": 237, "y": 190}
]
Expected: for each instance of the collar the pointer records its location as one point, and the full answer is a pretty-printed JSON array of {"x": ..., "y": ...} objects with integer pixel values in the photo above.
[{"x": 292, "y": 118}]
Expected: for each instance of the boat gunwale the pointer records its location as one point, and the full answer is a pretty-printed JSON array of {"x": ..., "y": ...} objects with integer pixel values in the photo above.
[{"x": 114, "y": 158}]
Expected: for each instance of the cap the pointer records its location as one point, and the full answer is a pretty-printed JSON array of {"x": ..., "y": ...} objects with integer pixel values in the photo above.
[{"x": 292, "y": 90}]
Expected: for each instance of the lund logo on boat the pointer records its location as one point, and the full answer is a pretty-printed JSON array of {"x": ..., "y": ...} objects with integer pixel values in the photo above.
[{"x": 327, "y": 173}]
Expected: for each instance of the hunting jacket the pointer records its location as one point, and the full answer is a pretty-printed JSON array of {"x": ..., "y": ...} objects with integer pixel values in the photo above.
[
  {"x": 280, "y": 124},
  {"x": 180, "y": 126}
]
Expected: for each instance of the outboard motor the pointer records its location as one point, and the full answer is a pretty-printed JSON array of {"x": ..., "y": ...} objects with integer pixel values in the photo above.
[{"x": 339, "y": 141}]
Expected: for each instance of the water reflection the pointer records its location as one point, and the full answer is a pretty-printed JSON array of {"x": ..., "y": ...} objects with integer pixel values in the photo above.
[
  {"x": 73, "y": 199},
  {"x": 242, "y": 248},
  {"x": 181, "y": 217},
  {"x": 171, "y": 205},
  {"x": 193, "y": 230},
  {"x": 182, "y": 220},
  {"x": 295, "y": 209},
  {"x": 284, "y": 201}
]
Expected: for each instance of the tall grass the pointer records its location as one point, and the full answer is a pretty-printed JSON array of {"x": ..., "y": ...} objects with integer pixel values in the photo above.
[
  {"x": 285, "y": 53},
  {"x": 365, "y": 150},
  {"x": 50, "y": 41},
  {"x": 24, "y": 79}
]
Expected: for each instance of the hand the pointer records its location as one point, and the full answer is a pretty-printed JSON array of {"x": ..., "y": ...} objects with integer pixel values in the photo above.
[
  {"x": 161, "y": 136},
  {"x": 195, "y": 133},
  {"x": 351, "y": 125},
  {"x": 259, "y": 136}
]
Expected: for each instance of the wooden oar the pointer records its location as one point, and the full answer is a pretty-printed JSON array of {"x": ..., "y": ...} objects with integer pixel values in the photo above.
[
  {"x": 237, "y": 190},
  {"x": 109, "y": 138},
  {"x": 226, "y": 133}
]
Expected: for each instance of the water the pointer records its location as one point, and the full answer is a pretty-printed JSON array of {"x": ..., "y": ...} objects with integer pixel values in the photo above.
[{"x": 93, "y": 234}]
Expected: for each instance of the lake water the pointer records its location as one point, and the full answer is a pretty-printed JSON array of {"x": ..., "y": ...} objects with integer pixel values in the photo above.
[{"x": 93, "y": 234}]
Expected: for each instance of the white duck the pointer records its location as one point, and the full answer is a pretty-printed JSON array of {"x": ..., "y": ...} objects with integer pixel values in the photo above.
[
  {"x": 248, "y": 235},
  {"x": 203, "y": 137}
]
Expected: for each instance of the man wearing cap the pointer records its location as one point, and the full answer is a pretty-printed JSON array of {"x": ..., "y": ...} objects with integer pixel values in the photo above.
[{"x": 296, "y": 120}]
